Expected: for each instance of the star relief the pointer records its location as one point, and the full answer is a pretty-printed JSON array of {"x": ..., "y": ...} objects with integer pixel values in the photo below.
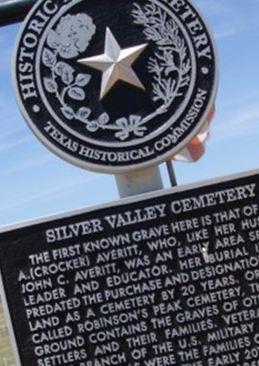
[{"x": 115, "y": 64}]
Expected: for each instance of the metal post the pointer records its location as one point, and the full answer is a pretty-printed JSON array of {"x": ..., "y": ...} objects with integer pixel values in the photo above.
[
  {"x": 142, "y": 181},
  {"x": 171, "y": 173},
  {"x": 12, "y": 11}
]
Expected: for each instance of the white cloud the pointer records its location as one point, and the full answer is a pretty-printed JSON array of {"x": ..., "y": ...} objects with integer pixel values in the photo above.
[
  {"x": 241, "y": 124},
  {"x": 229, "y": 18},
  {"x": 28, "y": 164},
  {"x": 213, "y": 7},
  {"x": 50, "y": 193},
  {"x": 226, "y": 31},
  {"x": 14, "y": 143}
]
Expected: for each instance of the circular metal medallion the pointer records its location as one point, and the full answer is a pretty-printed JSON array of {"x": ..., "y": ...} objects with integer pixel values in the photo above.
[{"x": 115, "y": 85}]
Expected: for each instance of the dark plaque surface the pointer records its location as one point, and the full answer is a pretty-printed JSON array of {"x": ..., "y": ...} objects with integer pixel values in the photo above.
[
  {"x": 165, "y": 279},
  {"x": 115, "y": 85}
]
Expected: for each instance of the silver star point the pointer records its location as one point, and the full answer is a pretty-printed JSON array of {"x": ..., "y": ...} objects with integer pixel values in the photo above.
[{"x": 115, "y": 64}]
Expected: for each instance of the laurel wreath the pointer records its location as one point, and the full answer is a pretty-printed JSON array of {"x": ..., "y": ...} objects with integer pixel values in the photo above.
[
  {"x": 171, "y": 66},
  {"x": 170, "y": 69}
]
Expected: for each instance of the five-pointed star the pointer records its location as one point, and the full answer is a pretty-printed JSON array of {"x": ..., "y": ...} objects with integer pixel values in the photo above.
[{"x": 115, "y": 64}]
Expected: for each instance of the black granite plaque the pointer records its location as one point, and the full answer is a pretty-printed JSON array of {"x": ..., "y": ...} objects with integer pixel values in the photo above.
[{"x": 163, "y": 279}]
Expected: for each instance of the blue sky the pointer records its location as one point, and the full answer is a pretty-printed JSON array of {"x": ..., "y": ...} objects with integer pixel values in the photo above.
[{"x": 36, "y": 183}]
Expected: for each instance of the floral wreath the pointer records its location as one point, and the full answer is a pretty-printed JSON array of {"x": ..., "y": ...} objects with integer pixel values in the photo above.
[{"x": 170, "y": 68}]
